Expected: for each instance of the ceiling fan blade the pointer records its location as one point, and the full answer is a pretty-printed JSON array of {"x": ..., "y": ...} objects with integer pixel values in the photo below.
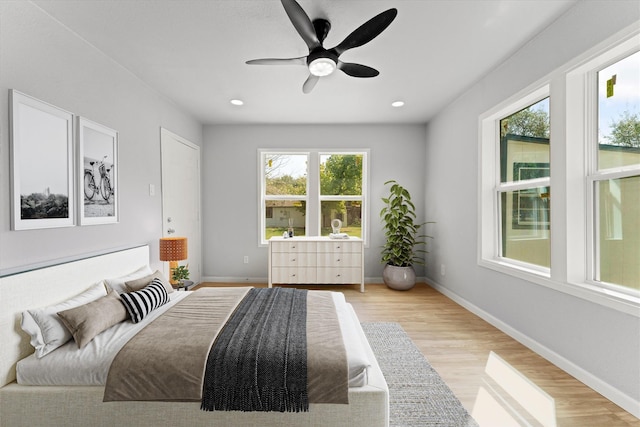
[
  {"x": 310, "y": 83},
  {"x": 367, "y": 31},
  {"x": 279, "y": 61},
  {"x": 302, "y": 23},
  {"x": 357, "y": 70}
]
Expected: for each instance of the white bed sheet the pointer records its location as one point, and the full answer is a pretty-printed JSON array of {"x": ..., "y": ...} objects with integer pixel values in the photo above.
[{"x": 69, "y": 365}]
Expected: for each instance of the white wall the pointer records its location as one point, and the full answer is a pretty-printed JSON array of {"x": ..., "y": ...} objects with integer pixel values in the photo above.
[
  {"x": 42, "y": 58},
  {"x": 230, "y": 186},
  {"x": 599, "y": 345}
]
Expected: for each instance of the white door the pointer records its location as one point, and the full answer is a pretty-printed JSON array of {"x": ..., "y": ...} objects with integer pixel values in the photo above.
[{"x": 181, "y": 197}]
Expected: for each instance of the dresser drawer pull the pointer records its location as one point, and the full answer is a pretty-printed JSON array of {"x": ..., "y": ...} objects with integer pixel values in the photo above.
[
  {"x": 338, "y": 247},
  {"x": 293, "y": 247},
  {"x": 293, "y": 275},
  {"x": 293, "y": 260},
  {"x": 338, "y": 260},
  {"x": 338, "y": 275}
]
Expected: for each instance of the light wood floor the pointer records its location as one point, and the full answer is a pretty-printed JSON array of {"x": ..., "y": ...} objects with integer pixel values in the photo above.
[{"x": 457, "y": 343}]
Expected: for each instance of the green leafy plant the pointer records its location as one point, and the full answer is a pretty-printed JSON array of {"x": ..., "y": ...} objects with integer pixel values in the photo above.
[
  {"x": 400, "y": 228},
  {"x": 180, "y": 273}
]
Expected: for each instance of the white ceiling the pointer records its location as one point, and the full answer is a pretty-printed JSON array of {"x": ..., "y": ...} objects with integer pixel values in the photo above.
[{"x": 194, "y": 53}]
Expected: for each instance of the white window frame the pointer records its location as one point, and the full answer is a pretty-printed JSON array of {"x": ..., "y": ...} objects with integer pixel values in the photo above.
[
  {"x": 491, "y": 187},
  {"x": 262, "y": 185},
  {"x": 313, "y": 197},
  {"x": 572, "y": 107},
  {"x": 582, "y": 93},
  {"x": 350, "y": 198}
]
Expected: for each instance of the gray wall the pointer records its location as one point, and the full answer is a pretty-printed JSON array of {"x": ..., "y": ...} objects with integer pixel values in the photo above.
[
  {"x": 230, "y": 186},
  {"x": 598, "y": 344},
  {"x": 41, "y": 58}
]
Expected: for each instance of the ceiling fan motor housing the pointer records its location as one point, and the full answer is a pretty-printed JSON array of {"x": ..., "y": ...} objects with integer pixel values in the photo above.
[
  {"x": 321, "y": 27},
  {"x": 322, "y": 62}
]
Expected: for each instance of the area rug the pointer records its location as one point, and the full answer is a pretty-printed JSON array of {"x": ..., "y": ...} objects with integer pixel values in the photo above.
[{"x": 417, "y": 394}]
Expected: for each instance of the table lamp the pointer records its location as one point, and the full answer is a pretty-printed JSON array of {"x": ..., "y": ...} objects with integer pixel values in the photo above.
[{"x": 173, "y": 249}]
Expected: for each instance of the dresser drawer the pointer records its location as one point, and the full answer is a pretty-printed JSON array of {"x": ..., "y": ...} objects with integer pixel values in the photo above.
[
  {"x": 336, "y": 259},
  {"x": 293, "y": 259},
  {"x": 340, "y": 246},
  {"x": 339, "y": 275},
  {"x": 293, "y": 275},
  {"x": 293, "y": 246}
]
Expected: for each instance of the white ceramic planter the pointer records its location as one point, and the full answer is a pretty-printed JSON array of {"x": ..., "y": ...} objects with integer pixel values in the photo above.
[{"x": 399, "y": 278}]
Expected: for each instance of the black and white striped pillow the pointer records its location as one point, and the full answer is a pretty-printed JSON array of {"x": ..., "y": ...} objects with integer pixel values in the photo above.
[{"x": 140, "y": 303}]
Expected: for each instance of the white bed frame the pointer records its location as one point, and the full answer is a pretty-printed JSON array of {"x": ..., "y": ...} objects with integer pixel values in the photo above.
[{"x": 82, "y": 406}]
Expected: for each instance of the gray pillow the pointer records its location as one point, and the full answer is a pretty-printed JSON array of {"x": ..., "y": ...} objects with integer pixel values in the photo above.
[
  {"x": 88, "y": 320},
  {"x": 137, "y": 284}
]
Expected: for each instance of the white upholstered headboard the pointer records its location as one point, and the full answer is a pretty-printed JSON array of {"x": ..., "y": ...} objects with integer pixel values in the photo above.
[{"x": 49, "y": 285}]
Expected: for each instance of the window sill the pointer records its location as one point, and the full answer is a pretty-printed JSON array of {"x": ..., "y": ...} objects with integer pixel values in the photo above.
[{"x": 619, "y": 301}]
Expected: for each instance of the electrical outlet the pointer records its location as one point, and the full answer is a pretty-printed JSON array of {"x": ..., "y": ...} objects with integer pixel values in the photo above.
[
  {"x": 442, "y": 270},
  {"x": 246, "y": 259}
]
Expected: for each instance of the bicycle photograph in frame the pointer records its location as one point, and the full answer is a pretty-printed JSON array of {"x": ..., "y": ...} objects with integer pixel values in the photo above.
[{"x": 97, "y": 174}]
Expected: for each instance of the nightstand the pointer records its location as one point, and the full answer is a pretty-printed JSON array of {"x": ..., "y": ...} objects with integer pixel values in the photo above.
[{"x": 188, "y": 285}]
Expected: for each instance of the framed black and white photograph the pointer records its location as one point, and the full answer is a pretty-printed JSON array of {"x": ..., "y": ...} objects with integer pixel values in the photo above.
[
  {"x": 41, "y": 164},
  {"x": 97, "y": 172}
]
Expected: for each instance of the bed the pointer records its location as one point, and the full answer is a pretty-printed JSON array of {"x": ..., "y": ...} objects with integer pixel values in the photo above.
[{"x": 82, "y": 405}]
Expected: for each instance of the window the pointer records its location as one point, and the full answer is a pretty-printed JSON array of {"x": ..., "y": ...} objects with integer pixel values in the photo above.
[
  {"x": 588, "y": 245},
  {"x": 524, "y": 189},
  {"x": 284, "y": 189},
  {"x": 615, "y": 178},
  {"x": 341, "y": 192},
  {"x": 305, "y": 190},
  {"x": 516, "y": 184}
]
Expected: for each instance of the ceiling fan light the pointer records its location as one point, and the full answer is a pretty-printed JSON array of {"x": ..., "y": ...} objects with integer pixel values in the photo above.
[{"x": 322, "y": 67}]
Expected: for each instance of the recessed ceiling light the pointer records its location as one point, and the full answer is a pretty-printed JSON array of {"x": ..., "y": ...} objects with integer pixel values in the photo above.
[
  {"x": 397, "y": 104},
  {"x": 237, "y": 102}
]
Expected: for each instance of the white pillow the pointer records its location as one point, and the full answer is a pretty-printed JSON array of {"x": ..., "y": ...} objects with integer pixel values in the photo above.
[
  {"x": 118, "y": 283},
  {"x": 45, "y": 326}
]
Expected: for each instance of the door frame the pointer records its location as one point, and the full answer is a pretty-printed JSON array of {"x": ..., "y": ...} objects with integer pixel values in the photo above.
[{"x": 164, "y": 135}]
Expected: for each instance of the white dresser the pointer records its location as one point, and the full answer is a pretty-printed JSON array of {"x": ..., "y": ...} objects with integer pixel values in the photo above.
[{"x": 316, "y": 260}]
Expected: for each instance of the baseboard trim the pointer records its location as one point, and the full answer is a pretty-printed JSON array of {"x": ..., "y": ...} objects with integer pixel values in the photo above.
[{"x": 618, "y": 397}]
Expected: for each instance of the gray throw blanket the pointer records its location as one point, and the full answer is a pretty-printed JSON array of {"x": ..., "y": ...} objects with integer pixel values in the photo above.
[{"x": 259, "y": 360}]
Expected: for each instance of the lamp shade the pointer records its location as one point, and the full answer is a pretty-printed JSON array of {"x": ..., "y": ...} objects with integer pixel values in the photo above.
[{"x": 173, "y": 248}]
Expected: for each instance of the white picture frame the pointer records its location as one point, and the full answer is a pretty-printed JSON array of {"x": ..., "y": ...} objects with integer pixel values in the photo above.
[
  {"x": 97, "y": 173},
  {"x": 42, "y": 172}
]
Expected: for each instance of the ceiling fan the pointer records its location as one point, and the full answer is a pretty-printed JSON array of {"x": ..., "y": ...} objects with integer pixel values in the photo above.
[{"x": 320, "y": 61}]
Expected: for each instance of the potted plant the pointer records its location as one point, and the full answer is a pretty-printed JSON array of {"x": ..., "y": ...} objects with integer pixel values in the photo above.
[
  {"x": 400, "y": 252},
  {"x": 180, "y": 274}
]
